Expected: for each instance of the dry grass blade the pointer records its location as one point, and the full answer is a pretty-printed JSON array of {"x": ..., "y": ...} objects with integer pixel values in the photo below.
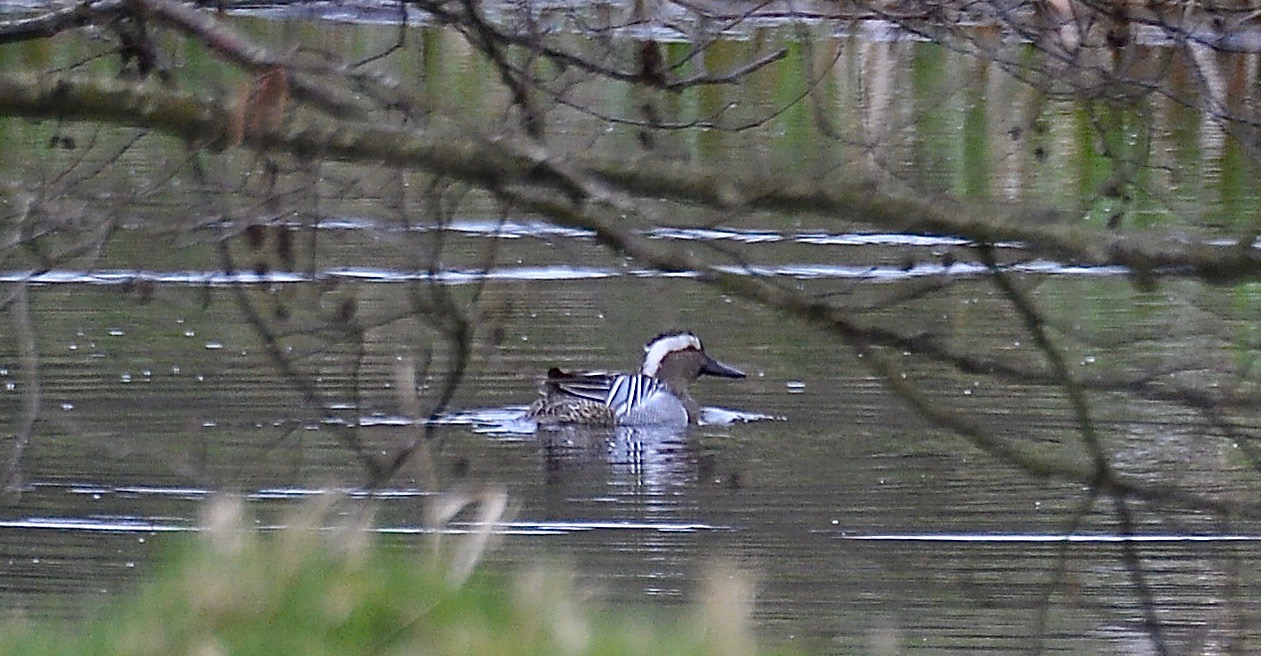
[
  {"x": 492, "y": 510},
  {"x": 725, "y": 610},
  {"x": 222, "y": 523}
]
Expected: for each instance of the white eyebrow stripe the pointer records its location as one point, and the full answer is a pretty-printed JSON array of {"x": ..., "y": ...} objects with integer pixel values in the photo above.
[{"x": 657, "y": 350}]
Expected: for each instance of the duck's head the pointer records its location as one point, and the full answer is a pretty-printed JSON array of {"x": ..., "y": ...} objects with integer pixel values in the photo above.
[{"x": 679, "y": 357}]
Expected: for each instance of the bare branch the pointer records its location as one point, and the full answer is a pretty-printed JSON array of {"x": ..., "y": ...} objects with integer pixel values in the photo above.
[
  {"x": 56, "y": 21},
  {"x": 28, "y": 359}
]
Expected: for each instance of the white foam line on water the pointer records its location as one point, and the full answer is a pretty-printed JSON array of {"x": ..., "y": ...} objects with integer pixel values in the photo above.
[
  {"x": 89, "y": 524},
  {"x": 220, "y": 278},
  {"x": 715, "y": 234},
  {"x": 198, "y": 493},
  {"x": 806, "y": 271},
  {"x": 302, "y": 493},
  {"x": 664, "y": 527},
  {"x": 554, "y": 528},
  {"x": 134, "y": 525},
  {"x": 413, "y": 530},
  {"x": 1047, "y": 538},
  {"x": 186, "y": 492},
  {"x": 875, "y": 239},
  {"x": 90, "y": 488}
]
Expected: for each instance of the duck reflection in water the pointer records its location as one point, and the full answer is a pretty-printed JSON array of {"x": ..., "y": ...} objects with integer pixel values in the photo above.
[{"x": 629, "y": 457}]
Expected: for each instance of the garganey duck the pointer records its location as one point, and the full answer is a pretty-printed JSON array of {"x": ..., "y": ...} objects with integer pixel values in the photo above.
[{"x": 658, "y": 394}]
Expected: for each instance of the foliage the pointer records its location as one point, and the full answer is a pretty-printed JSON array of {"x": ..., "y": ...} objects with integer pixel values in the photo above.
[{"x": 312, "y": 589}]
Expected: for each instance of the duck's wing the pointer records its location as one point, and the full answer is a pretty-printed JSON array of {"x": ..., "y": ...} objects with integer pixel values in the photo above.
[
  {"x": 619, "y": 391},
  {"x": 590, "y": 385}
]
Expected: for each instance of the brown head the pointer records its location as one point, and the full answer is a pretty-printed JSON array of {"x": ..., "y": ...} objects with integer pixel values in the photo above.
[{"x": 678, "y": 358}]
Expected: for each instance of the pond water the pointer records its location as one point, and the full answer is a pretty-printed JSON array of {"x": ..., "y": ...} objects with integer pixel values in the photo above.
[
  {"x": 863, "y": 523},
  {"x": 870, "y": 529}
]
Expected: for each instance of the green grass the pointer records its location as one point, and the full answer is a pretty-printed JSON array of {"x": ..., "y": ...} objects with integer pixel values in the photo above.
[{"x": 315, "y": 590}]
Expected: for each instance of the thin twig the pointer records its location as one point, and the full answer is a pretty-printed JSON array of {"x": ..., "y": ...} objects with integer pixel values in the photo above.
[{"x": 28, "y": 359}]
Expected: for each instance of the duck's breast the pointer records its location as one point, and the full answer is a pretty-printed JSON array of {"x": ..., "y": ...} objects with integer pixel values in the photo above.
[{"x": 658, "y": 406}]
